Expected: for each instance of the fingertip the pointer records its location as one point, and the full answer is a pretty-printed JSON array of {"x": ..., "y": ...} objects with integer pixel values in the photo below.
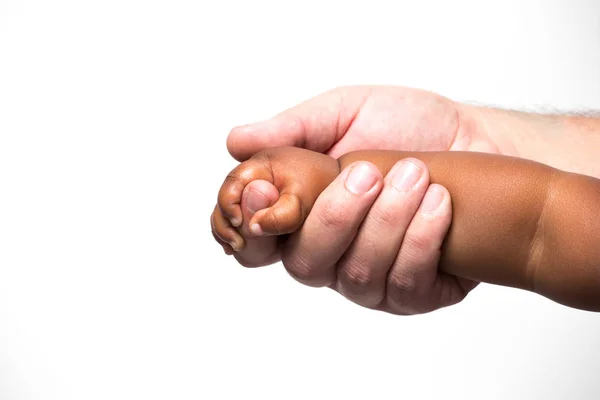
[
  {"x": 246, "y": 140},
  {"x": 282, "y": 130},
  {"x": 361, "y": 177},
  {"x": 439, "y": 187},
  {"x": 264, "y": 224},
  {"x": 236, "y": 143},
  {"x": 224, "y": 233},
  {"x": 237, "y": 243},
  {"x": 228, "y": 203},
  {"x": 418, "y": 163},
  {"x": 233, "y": 214},
  {"x": 361, "y": 163},
  {"x": 224, "y": 245},
  {"x": 256, "y": 229},
  {"x": 446, "y": 199},
  {"x": 436, "y": 202}
]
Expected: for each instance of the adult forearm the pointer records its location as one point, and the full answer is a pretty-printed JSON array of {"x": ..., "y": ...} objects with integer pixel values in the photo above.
[{"x": 566, "y": 142}]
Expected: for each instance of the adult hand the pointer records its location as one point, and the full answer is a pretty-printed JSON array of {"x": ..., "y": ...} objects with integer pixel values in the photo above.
[{"x": 383, "y": 235}]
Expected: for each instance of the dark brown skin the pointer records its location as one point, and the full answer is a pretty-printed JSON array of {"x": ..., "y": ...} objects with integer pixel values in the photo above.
[{"x": 515, "y": 222}]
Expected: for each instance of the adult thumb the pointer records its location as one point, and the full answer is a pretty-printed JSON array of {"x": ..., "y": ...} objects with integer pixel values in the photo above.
[{"x": 315, "y": 124}]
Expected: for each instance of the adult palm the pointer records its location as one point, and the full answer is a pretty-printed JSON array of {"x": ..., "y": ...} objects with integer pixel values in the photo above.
[{"x": 357, "y": 118}]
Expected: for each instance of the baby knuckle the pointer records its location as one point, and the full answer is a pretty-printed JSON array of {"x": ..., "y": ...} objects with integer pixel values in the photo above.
[
  {"x": 234, "y": 180},
  {"x": 272, "y": 222},
  {"x": 294, "y": 215},
  {"x": 286, "y": 221},
  {"x": 242, "y": 174},
  {"x": 230, "y": 191},
  {"x": 231, "y": 179}
]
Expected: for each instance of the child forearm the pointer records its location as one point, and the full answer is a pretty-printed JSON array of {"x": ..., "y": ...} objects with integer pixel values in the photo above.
[{"x": 515, "y": 222}]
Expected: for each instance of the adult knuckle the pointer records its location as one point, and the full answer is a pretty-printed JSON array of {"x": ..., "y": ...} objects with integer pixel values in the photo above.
[
  {"x": 402, "y": 283},
  {"x": 415, "y": 245},
  {"x": 300, "y": 269},
  {"x": 385, "y": 216},
  {"x": 401, "y": 288},
  {"x": 297, "y": 123},
  {"x": 332, "y": 218},
  {"x": 356, "y": 275}
]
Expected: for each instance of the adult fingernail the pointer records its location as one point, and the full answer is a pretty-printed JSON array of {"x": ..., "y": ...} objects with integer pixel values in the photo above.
[
  {"x": 256, "y": 229},
  {"x": 406, "y": 176},
  {"x": 360, "y": 179},
  {"x": 256, "y": 201},
  {"x": 432, "y": 201}
]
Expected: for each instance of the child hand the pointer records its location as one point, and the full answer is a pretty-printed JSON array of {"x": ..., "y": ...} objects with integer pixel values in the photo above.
[{"x": 292, "y": 178}]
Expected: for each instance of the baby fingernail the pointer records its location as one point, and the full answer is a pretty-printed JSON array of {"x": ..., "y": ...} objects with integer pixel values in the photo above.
[
  {"x": 361, "y": 179},
  {"x": 236, "y": 221},
  {"x": 432, "y": 201},
  {"x": 406, "y": 176}
]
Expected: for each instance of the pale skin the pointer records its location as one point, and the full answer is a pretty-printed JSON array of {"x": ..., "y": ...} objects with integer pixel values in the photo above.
[{"x": 382, "y": 229}]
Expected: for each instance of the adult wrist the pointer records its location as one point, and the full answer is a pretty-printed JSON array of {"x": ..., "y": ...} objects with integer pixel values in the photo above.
[{"x": 567, "y": 142}]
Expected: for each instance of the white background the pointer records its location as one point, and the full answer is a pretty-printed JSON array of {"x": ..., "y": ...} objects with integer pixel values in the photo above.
[{"x": 113, "y": 119}]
